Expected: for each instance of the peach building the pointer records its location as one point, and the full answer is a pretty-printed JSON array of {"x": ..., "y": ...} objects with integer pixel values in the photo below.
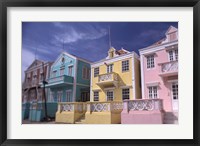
[{"x": 159, "y": 71}]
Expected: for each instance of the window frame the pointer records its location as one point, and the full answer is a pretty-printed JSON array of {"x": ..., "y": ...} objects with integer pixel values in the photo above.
[
  {"x": 174, "y": 55},
  {"x": 95, "y": 74},
  {"x": 110, "y": 68},
  {"x": 125, "y": 66},
  {"x": 95, "y": 95},
  {"x": 69, "y": 73},
  {"x": 150, "y": 63},
  {"x": 153, "y": 93},
  {"x": 126, "y": 93},
  {"x": 112, "y": 95},
  {"x": 63, "y": 69}
]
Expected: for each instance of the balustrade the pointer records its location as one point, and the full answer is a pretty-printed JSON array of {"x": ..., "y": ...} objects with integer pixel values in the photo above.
[
  {"x": 104, "y": 106},
  {"x": 72, "y": 107},
  {"x": 108, "y": 77},
  {"x": 143, "y": 104},
  {"x": 169, "y": 67}
]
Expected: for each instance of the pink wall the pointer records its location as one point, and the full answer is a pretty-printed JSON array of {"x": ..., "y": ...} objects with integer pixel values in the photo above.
[{"x": 152, "y": 75}]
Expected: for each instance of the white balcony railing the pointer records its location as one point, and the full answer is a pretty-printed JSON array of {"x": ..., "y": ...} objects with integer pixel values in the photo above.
[
  {"x": 104, "y": 106},
  {"x": 108, "y": 77},
  {"x": 79, "y": 107},
  {"x": 169, "y": 67},
  {"x": 143, "y": 105}
]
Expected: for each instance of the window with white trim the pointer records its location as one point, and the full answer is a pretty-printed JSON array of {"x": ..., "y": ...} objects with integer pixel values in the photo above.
[
  {"x": 109, "y": 68},
  {"x": 125, "y": 93},
  {"x": 70, "y": 70},
  {"x": 110, "y": 95},
  {"x": 153, "y": 92},
  {"x": 59, "y": 96},
  {"x": 173, "y": 55},
  {"x": 125, "y": 65},
  {"x": 175, "y": 90},
  {"x": 96, "y": 96},
  {"x": 172, "y": 36},
  {"x": 96, "y": 71},
  {"x": 68, "y": 95},
  {"x": 62, "y": 71},
  {"x": 150, "y": 61}
]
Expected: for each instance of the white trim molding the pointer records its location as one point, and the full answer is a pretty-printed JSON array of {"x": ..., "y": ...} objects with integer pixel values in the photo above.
[
  {"x": 75, "y": 79},
  {"x": 109, "y": 61},
  {"x": 133, "y": 77},
  {"x": 142, "y": 75},
  {"x": 152, "y": 84},
  {"x": 127, "y": 86},
  {"x": 153, "y": 49},
  {"x": 111, "y": 88}
]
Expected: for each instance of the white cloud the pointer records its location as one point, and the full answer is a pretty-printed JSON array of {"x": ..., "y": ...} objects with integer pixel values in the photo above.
[{"x": 71, "y": 34}]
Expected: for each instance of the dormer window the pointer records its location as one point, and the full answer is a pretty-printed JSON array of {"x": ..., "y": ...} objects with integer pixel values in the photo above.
[
  {"x": 112, "y": 54},
  {"x": 172, "y": 36}
]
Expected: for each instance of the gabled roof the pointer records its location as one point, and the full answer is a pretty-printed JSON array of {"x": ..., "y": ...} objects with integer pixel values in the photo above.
[
  {"x": 70, "y": 55},
  {"x": 171, "y": 29},
  {"x": 121, "y": 51},
  {"x": 35, "y": 63}
]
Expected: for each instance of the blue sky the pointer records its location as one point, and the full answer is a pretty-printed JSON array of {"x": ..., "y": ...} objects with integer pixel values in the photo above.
[{"x": 88, "y": 40}]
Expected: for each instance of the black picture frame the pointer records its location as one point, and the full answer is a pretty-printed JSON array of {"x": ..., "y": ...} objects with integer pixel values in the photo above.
[{"x": 4, "y": 4}]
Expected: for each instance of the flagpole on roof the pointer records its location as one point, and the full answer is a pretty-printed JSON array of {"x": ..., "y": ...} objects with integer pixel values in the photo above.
[
  {"x": 63, "y": 45},
  {"x": 35, "y": 53},
  {"x": 109, "y": 37}
]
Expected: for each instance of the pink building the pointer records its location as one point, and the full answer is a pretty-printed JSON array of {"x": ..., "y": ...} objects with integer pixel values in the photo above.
[{"x": 159, "y": 73}]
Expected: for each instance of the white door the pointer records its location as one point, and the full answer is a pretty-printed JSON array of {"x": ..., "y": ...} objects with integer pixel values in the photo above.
[{"x": 175, "y": 96}]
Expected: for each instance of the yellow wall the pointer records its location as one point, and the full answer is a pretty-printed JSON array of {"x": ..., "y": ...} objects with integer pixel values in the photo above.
[
  {"x": 103, "y": 118},
  {"x": 137, "y": 79},
  {"x": 125, "y": 79}
]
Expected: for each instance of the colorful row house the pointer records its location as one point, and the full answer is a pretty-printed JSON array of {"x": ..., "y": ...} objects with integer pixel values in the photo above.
[
  {"x": 69, "y": 82},
  {"x": 32, "y": 92},
  {"x": 113, "y": 79},
  {"x": 159, "y": 72},
  {"x": 115, "y": 94},
  {"x": 121, "y": 88}
]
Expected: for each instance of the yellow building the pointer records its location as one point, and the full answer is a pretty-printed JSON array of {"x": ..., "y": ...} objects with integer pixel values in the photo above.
[{"x": 115, "y": 78}]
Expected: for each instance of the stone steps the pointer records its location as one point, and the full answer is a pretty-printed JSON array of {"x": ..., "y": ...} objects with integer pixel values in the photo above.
[
  {"x": 81, "y": 120},
  {"x": 170, "y": 118}
]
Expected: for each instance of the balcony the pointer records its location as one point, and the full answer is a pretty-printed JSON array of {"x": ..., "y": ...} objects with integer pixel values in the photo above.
[
  {"x": 168, "y": 69},
  {"x": 30, "y": 84},
  {"x": 107, "y": 80},
  {"x": 61, "y": 80}
]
